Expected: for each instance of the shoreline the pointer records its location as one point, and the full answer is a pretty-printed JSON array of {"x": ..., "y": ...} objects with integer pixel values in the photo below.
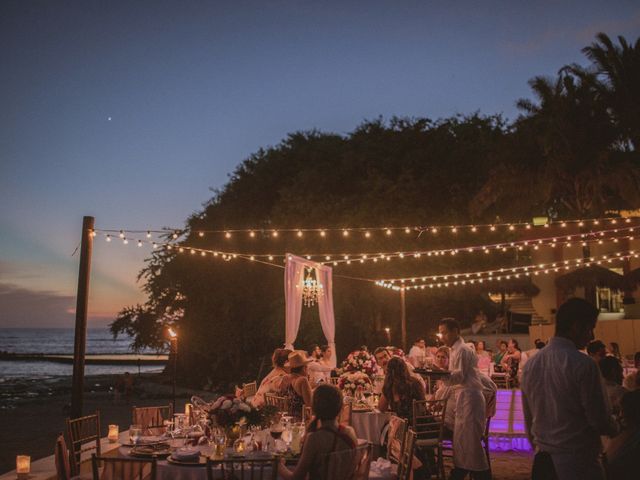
[{"x": 90, "y": 359}]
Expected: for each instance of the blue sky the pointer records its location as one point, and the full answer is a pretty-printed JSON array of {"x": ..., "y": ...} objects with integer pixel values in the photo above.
[{"x": 133, "y": 111}]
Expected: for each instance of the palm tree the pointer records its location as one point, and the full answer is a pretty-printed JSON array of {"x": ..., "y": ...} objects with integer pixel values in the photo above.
[{"x": 616, "y": 70}]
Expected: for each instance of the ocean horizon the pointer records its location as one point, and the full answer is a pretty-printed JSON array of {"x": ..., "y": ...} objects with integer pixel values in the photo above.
[{"x": 59, "y": 341}]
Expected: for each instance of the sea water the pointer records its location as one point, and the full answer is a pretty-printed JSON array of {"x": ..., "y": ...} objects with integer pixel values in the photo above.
[{"x": 60, "y": 341}]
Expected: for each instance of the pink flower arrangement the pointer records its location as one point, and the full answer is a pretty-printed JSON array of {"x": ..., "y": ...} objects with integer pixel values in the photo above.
[
  {"x": 360, "y": 361},
  {"x": 350, "y": 381}
]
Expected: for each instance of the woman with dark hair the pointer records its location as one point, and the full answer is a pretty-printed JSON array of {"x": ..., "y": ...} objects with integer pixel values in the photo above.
[
  {"x": 511, "y": 360},
  {"x": 502, "y": 350},
  {"x": 623, "y": 450},
  {"x": 295, "y": 386},
  {"x": 271, "y": 383},
  {"x": 324, "y": 436},
  {"x": 614, "y": 350},
  {"x": 400, "y": 390}
]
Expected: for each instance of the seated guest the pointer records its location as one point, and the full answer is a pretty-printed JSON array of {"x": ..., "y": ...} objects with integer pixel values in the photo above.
[
  {"x": 597, "y": 350},
  {"x": 632, "y": 381},
  {"x": 383, "y": 355},
  {"x": 324, "y": 436},
  {"x": 484, "y": 358},
  {"x": 611, "y": 371},
  {"x": 271, "y": 383},
  {"x": 314, "y": 352},
  {"x": 623, "y": 451},
  {"x": 320, "y": 370},
  {"x": 441, "y": 361},
  {"x": 614, "y": 350},
  {"x": 417, "y": 354},
  {"x": 295, "y": 386},
  {"x": 502, "y": 350},
  {"x": 400, "y": 390},
  {"x": 511, "y": 360}
]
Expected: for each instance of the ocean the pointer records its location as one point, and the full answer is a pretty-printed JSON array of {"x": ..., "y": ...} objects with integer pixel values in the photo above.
[{"x": 60, "y": 341}]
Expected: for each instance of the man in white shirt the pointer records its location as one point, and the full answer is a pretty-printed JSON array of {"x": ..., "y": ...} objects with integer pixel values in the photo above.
[
  {"x": 469, "y": 424},
  {"x": 565, "y": 406},
  {"x": 383, "y": 355},
  {"x": 417, "y": 353}
]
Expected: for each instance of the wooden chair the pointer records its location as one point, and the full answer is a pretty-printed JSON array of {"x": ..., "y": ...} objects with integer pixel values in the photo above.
[
  {"x": 334, "y": 381},
  {"x": 281, "y": 403},
  {"x": 243, "y": 469},
  {"x": 346, "y": 414},
  {"x": 396, "y": 436},
  {"x": 307, "y": 415},
  {"x": 121, "y": 468},
  {"x": 249, "y": 389},
  {"x": 61, "y": 454},
  {"x": 502, "y": 380},
  {"x": 406, "y": 460},
  {"x": 84, "y": 436},
  {"x": 348, "y": 464},
  {"x": 151, "y": 419},
  {"x": 428, "y": 425}
]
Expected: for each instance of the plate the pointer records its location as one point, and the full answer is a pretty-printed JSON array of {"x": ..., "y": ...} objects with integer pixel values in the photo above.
[
  {"x": 200, "y": 462},
  {"x": 149, "y": 451}
]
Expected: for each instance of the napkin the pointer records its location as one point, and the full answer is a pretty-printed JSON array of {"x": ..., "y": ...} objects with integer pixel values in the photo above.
[
  {"x": 380, "y": 466},
  {"x": 186, "y": 454}
]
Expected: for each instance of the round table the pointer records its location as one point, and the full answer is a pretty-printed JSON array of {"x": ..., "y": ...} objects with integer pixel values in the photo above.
[{"x": 369, "y": 425}]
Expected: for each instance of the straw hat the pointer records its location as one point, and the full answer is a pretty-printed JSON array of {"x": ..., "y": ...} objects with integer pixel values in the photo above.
[{"x": 298, "y": 358}]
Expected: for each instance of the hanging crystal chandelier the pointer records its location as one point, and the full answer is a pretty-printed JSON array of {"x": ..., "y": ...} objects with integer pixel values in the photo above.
[{"x": 311, "y": 289}]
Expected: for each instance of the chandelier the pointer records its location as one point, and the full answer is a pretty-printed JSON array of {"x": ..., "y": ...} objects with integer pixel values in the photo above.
[{"x": 311, "y": 289}]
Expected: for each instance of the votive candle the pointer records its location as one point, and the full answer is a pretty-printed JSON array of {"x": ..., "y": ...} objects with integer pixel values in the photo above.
[
  {"x": 187, "y": 412},
  {"x": 113, "y": 434},
  {"x": 23, "y": 466}
]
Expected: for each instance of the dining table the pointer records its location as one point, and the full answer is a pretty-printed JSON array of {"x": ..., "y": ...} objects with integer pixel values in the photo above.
[{"x": 166, "y": 470}]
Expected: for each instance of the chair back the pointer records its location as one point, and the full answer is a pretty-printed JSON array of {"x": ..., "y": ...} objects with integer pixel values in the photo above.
[
  {"x": 428, "y": 418},
  {"x": 281, "y": 403},
  {"x": 307, "y": 415},
  {"x": 151, "y": 419},
  {"x": 334, "y": 381},
  {"x": 396, "y": 437},
  {"x": 61, "y": 453},
  {"x": 122, "y": 468},
  {"x": 348, "y": 464},
  {"x": 406, "y": 461},
  {"x": 502, "y": 380},
  {"x": 249, "y": 389},
  {"x": 243, "y": 469},
  {"x": 84, "y": 437},
  {"x": 346, "y": 414}
]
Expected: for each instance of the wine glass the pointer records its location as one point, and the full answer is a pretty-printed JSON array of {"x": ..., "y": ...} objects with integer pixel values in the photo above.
[{"x": 135, "y": 432}]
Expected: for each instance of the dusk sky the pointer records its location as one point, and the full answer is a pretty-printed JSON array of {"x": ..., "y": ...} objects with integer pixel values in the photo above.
[{"x": 132, "y": 111}]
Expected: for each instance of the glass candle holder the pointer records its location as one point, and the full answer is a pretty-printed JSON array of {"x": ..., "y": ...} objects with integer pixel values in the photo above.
[
  {"x": 114, "y": 432},
  {"x": 23, "y": 466}
]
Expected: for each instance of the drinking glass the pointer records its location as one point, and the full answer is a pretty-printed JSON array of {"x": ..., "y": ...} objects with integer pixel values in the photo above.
[
  {"x": 135, "y": 432},
  {"x": 219, "y": 442}
]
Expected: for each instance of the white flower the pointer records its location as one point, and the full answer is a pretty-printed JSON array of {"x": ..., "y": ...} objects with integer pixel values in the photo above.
[{"x": 226, "y": 404}]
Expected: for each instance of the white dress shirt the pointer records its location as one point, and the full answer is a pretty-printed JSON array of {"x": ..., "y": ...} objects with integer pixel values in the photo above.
[{"x": 565, "y": 406}]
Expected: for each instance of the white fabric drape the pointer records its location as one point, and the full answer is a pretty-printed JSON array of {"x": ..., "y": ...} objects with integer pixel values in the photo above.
[{"x": 293, "y": 284}]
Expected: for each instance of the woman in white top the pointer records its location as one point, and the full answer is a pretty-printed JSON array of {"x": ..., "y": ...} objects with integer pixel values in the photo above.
[{"x": 320, "y": 370}]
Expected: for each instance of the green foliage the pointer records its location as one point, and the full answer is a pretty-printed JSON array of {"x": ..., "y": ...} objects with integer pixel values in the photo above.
[{"x": 564, "y": 154}]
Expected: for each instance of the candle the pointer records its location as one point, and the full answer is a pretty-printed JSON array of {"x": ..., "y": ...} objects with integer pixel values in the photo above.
[
  {"x": 113, "y": 433},
  {"x": 187, "y": 412},
  {"x": 23, "y": 466},
  {"x": 238, "y": 446}
]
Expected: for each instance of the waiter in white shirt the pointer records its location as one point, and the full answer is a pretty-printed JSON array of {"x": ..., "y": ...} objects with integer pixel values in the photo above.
[
  {"x": 565, "y": 406},
  {"x": 468, "y": 454}
]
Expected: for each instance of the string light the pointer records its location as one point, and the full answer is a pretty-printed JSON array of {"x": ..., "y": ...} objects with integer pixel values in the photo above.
[
  {"x": 526, "y": 270},
  {"x": 600, "y": 237}
]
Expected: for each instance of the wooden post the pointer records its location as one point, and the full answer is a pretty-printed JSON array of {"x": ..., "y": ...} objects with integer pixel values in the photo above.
[
  {"x": 403, "y": 319},
  {"x": 82, "y": 303}
]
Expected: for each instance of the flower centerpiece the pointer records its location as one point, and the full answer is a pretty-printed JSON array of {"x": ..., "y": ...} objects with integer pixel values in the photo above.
[
  {"x": 359, "y": 361},
  {"x": 349, "y": 382},
  {"x": 234, "y": 414}
]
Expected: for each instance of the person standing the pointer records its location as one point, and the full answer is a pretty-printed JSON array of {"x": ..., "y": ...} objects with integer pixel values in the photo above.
[
  {"x": 565, "y": 406},
  {"x": 417, "y": 354},
  {"x": 469, "y": 424}
]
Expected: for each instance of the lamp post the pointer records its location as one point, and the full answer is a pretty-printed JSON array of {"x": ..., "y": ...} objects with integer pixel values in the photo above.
[{"x": 173, "y": 337}]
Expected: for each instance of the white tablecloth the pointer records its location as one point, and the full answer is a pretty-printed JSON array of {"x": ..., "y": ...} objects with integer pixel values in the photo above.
[{"x": 369, "y": 425}]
